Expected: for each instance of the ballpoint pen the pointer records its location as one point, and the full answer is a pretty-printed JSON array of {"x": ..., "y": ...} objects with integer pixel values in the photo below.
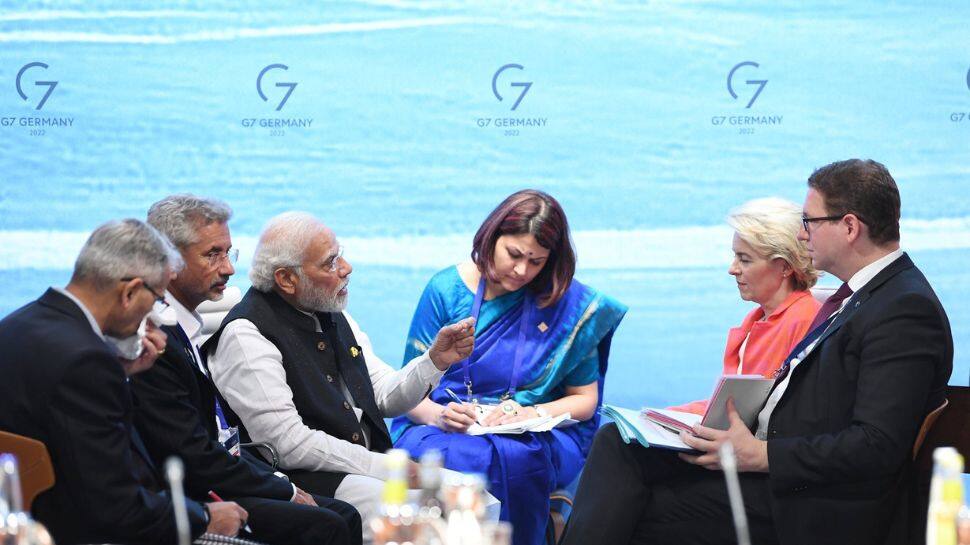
[
  {"x": 478, "y": 408},
  {"x": 454, "y": 396}
]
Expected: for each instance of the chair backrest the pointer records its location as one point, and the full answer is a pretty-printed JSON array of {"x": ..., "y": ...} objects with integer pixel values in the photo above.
[
  {"x": 947, "y": 426},
  {"x": 951, "y": 429},
  {"x": 821, "y": 293},
  {"x": 927, "y": 426},
  {"x": 213, "y": 312},
  {"x": 34, "y": 462}
]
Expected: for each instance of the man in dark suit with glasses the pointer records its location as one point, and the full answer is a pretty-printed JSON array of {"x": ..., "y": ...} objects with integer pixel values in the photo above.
[
  {"x": 65, "y": 385},
  {"x": 832, "y": 448}
]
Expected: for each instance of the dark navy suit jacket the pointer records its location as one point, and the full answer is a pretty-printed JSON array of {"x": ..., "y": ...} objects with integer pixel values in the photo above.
[
  {"x": 841, "y": 436},
  {"x": 176, "y": 416},
  {"x": 63, "y": 386}
]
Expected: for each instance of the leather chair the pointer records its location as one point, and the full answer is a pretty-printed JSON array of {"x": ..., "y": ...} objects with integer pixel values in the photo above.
[
  {"x": 34, "y": 462},
  {"x": 948, "y": 426}
]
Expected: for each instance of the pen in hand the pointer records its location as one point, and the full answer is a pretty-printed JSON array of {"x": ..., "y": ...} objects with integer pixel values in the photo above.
[
  {"x": 215, "y": 497},
  {"x": 454, "y": 396},
  {"x": 478, "y": 408}
]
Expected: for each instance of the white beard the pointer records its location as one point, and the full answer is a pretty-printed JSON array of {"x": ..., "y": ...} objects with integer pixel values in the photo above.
[{"x": 319, "y": 299}]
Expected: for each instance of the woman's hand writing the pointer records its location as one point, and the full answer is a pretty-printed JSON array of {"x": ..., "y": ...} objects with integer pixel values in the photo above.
[{"x": 456, "y": 417}]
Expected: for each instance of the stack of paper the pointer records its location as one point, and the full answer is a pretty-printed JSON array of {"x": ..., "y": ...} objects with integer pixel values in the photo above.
[
  {"x": 541, "y": 423},
  {"x": 633, "y": 426},
  {"x": 661, "y": 427}
]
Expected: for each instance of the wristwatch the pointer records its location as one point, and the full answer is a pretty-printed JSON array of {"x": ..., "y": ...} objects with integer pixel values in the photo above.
[
  {"x": 540, "y": 410},
  {"x": 206, "y": 513}
]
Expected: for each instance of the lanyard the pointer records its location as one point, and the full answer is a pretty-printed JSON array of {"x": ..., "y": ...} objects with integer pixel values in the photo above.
[
  {"x": 187, "y": 346},
  {"x": 519, "y": 346}
]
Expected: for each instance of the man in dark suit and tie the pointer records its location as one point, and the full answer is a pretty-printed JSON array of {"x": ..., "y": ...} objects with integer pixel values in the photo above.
[
  {"x": 63, "y": 385},
  {"x": 831, "y": 453},
  {"x": 179, "y": 413}
]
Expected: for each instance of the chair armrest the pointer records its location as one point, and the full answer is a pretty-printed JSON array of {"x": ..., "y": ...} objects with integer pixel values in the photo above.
[{"x": 268, "y": 447}]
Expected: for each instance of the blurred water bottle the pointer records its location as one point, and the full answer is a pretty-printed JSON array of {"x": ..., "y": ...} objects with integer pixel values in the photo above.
[
  {"x": 430, "y": 475},
  {"x": 465, "y": 503},
  {"x": 946, "y": 497},
  {"x": 496, "y": 532},
  {"x": 16, "y": 526},
  {"x": 398, "y": 522},
  {"x": 430, "y": 509}
]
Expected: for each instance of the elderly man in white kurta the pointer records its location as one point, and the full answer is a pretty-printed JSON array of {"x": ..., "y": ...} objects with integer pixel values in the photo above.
[{"x": 296, "y": 370}]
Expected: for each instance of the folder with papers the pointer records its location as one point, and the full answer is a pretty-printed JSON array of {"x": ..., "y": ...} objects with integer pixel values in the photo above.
[{"x": 653, "y": 427}]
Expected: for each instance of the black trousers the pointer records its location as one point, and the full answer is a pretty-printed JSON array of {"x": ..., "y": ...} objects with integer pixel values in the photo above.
[
  {"x": 278, "y": 522},
  {"x": 629, "y": 494}
]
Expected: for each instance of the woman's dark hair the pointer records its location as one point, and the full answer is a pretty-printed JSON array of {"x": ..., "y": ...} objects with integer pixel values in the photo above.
[{"x": 536, "y": 213}]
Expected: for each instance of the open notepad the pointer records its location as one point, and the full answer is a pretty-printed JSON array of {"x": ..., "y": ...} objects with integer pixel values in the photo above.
[
  {"x": 541, "y": 423},
  {"x": 653, "y": 427}
]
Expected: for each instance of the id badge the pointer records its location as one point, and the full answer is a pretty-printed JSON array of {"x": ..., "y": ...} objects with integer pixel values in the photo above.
[{"x": 229, "y": 438}]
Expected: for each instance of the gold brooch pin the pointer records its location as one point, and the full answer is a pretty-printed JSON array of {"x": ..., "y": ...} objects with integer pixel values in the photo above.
[
  {"x": 354, "y": 352},
  {"x": 542, "y": 327}
]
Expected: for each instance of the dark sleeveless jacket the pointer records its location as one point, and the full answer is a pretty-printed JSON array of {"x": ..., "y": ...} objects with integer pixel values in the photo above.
[{"x": 312, "y": 361}]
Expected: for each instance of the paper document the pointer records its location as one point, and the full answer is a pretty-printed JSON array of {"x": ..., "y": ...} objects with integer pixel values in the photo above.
[
  {"x": 634, "y": 426},
  {"x": 653, "y": 427},
  {"x": 542, "y": 423}
]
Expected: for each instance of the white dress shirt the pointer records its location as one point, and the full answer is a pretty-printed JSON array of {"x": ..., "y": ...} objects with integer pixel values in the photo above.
[
  {"x": 248, "y": 370},
  {"x": 191, "y": 322},
  {"x": 857, "y": 282}
]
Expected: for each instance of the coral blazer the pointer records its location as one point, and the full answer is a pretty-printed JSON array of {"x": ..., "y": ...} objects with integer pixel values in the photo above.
[{"x": 769, "y": 342}]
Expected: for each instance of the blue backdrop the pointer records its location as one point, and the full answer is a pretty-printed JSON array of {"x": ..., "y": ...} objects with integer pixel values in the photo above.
[{"x": 400, "y": 130}]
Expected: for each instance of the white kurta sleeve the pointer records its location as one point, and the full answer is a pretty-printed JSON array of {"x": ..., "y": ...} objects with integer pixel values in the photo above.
[
  {"x": 248, "y": 371},
  {"x": 396, "y": 391}
]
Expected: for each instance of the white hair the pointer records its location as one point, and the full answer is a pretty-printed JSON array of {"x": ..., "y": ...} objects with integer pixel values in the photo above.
[
  {"x": 283, "y": 243},
  {"x": 126, "y": 248},
  {"x": 179, "y": 216},
  {"x": 771, "y": 226}
]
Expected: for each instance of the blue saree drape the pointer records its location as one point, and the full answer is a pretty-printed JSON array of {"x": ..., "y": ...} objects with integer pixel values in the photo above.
[{"x": 566, "y": 344}]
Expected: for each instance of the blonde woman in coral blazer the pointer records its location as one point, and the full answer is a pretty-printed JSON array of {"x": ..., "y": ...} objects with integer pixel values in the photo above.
[{"x": 773, "y": 269}]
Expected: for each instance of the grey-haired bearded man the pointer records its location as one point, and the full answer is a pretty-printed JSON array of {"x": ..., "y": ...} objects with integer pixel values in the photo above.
[{"x": 298, "y": 372}]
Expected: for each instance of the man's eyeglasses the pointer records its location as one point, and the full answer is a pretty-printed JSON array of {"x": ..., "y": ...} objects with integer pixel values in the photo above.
[
  {"x": 331, "y": 264},
  {"x": 216, "y": 258},
  {"x": 807, "y": 221},
  {"x": 159, "y": 299}
]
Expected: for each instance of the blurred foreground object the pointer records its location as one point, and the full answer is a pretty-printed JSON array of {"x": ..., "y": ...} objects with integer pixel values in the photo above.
[{"x": 16, "y": 526}]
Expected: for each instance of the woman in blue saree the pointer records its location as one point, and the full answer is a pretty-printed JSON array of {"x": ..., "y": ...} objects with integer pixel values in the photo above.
[{"x": 541, "y": 347}]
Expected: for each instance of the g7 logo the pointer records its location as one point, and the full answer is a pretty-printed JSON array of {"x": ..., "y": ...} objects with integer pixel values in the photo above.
[
  {"x": 525, "y": 85},
  {"x": 761, "y": 82},
  {"x": 968, "y": 79},
  {"x": 50, "y": 84},
  {"x": 259, "y": 85}
]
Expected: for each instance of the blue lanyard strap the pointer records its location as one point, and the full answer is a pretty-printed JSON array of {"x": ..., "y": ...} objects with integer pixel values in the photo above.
[
  {"x": 476, "y": 309},
  {"x": 519, "y": 347}
]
